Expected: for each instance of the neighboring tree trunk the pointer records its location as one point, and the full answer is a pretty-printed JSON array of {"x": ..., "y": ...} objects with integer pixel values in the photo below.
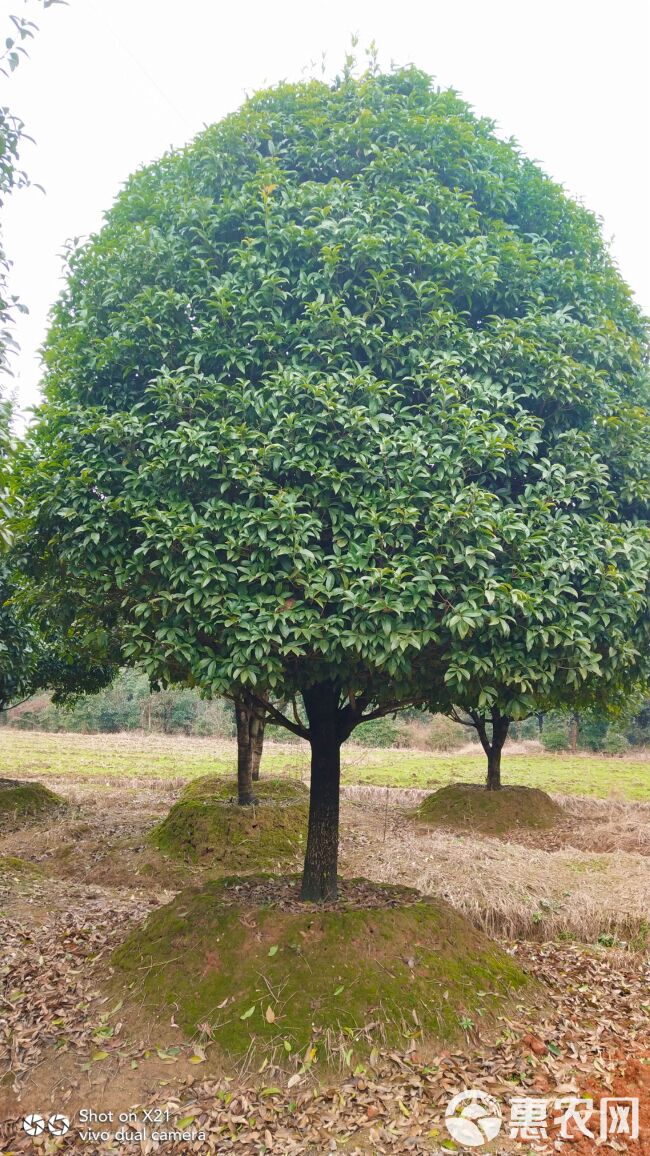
[
  {"x": 493, "y": 746},
  {"x": 243, "y": 713},
  {"x": 319, "y": 881},
  {"x": 257, "y": 728},
  {"x": 574, "y": 731}
]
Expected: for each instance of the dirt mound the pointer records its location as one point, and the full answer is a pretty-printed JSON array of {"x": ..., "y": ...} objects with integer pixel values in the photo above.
[
  {"x": 469, "y": 807},
  {"x": 22, "y": 802},
  {"x": 245, "y": 963},
  {"x": 206, "y": 826}
]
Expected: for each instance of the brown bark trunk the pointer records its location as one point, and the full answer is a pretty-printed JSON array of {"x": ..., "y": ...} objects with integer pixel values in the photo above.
[
  {"x": 500, "y": 726},
  {"x": 574, "y": 730},
  {"x": 245, "y": 795},
  {"x": 257, "y": 728},
  {"x": 493, "y": 746},
  {"x": 494, "y": 770},
  {"x": 319, "y": 881}
]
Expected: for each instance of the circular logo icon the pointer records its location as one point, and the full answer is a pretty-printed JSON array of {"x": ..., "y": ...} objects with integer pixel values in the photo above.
[
  {"x": 473, "y": 1117},
  {"x": 58, "y": 1125},
  {"x": 34, "y": 1125}
]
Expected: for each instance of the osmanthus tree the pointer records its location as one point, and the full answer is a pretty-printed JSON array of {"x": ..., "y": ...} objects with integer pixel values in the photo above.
[
  {"x": 40, "y": 654},
  {"x": 342, "y": 398},
  {"x": 566, "y": 634}
]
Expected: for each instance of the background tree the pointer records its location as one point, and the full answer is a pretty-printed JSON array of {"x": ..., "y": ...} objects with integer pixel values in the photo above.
[
  {"x": 21, "y": 652},
  {"x": 250, "y": 717},
  {"x": 347, "y": 406},
  {"x": 608, "y": 672},
  {"x": 492, "y": 730},
  {"x": 32, "y": 659}
]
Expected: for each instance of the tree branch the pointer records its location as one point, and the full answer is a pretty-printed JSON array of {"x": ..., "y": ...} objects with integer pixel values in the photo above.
[
  {"x": 481, "y": 730},
  {"x": 282, "y": 720},
  {"x": 13, "y": 705},
  {"x": 296, "y": 716},
  {"x": 455, "y": 717},
  {"x": 388, "y": 708}
]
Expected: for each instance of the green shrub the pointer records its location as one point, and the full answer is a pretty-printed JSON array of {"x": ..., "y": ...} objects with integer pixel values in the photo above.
[
  {"x": 526, "y": 729},
  {"x": 615, "y": 743},
  {"x": 129, "y": 704},
  {"x": 447, "y": 735},
  {"x": 555, "y": 739},
  {"x": 380, "y": 732},
  {"x": 593, "y": 732},
  {"x": 637, "y": 730}
]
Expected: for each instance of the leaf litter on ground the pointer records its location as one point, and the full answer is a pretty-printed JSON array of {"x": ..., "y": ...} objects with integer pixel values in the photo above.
[{"x": 389, "y": 1102}]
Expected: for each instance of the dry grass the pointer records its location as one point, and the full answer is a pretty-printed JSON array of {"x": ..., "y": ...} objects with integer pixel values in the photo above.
[
  {"x": 588, "y": 877},
  {"x": 435, "y": 734},
  {"x": 545, "y": 886}
]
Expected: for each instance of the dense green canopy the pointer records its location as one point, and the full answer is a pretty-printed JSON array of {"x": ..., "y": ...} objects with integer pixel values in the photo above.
[{"x": 349, "y": 389}]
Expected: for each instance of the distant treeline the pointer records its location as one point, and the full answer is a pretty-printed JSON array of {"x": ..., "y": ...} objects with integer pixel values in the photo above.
[{"x": 130, "y": 705}]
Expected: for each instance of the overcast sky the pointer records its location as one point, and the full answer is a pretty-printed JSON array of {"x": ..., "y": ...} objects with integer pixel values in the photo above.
[{"x": 111, "y": 84}]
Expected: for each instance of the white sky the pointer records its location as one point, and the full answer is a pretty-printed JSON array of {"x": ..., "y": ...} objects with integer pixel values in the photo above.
[{"x": 111, "y": 84}]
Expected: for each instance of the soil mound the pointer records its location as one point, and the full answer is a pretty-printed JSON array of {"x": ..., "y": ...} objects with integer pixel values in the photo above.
[
  {"x": 244, "y": 962},
  {"x": 471, "y": 808},
  {"x": 208, "y": 827}
]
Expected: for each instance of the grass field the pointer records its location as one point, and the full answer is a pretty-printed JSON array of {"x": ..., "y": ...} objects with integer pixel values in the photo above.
[{"x": 123, "y": 756}]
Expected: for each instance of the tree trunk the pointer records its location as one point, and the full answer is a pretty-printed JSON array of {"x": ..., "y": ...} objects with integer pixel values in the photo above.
[
  {"x": 245, "y": 795},
  {"x": 319, "y": 881},
  {"x": 492, "y": 746},
  {"x": 494, "y": 769},
  {"x": 257, "y": 728},
  {"x": 574, "y": 730},
  {"x": 500, "y": 725}
]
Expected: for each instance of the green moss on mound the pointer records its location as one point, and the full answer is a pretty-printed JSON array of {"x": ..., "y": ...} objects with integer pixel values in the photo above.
[
  {"x": 400, "y": 966},
  {"x": 207, "y": 826},
  {"x": 214, "y": 787},
  {"x": 10, "y": 865},
  {"x": 21, "y": 802},
  {"x": 470, "y": 807}
]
